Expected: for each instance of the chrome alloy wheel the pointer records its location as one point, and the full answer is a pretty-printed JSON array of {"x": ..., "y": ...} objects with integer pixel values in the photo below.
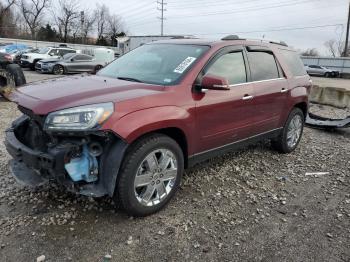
[
  {"x": 155, "y": 177},
  {"x": 294, "y": 131}
]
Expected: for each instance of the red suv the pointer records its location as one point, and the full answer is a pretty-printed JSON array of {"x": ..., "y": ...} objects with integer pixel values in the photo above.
[{"x": 129, "y": 131}]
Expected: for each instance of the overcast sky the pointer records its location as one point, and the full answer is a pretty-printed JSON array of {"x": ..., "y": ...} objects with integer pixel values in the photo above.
[{"x": 247, "y": 18}]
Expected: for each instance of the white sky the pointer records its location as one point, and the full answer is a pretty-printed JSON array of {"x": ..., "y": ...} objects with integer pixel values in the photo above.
[{"x": 217, "y": 18}]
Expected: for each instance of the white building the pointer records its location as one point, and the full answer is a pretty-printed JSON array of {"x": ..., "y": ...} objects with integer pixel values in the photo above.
[{"x": 128, "y": 43}]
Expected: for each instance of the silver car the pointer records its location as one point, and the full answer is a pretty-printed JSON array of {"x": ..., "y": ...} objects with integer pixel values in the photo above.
[
  {"x": 321, "y": 71},
  {"x": 70, "y": 63}
]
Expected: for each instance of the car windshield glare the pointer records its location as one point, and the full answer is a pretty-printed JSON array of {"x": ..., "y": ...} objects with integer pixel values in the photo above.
[
  {"x": 68, "y": 56},
  {"x": 43, "y": 50},
  {"x": 161, "y": 64}
]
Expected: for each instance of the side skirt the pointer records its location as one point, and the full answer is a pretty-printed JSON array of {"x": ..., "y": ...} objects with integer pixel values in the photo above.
[{"x": 200, "y": 157}]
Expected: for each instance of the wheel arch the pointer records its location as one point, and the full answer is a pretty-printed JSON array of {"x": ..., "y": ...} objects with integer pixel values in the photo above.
[
  {"x": 177, "y": 134},
  {"x": 303, "y": 106}
]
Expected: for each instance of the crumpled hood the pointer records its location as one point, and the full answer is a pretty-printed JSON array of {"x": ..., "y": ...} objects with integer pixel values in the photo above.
[{"x": 52, "y": 95}]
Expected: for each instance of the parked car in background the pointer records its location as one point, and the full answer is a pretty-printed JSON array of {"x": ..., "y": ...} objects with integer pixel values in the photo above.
[
  {"x": 130, "y": 130},
  {"x": 17, "y": 55},
  {"x": 70, "y": 63},
  {"x": 12, "y": 48},
  {"x": 317, "y": 70},
  {"x": 30, "y": 59}
]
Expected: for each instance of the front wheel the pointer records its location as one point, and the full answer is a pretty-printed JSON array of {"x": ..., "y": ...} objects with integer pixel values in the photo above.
[
  {"x": 291, "y": 133},
  {"x": 150, "y": 175},
  {"x": 58, "y": 70}
]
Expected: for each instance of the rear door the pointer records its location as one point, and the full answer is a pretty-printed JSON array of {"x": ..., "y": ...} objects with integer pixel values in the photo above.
[
  {"x": 224, "y": 117},
  {"x": 270, "y": 89}
]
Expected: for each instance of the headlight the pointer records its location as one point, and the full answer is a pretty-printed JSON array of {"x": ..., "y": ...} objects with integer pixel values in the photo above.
[{"x": 79, "y": 118}]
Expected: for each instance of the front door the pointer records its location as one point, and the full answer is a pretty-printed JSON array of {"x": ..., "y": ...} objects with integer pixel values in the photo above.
[{"x": 224, "y": 117}]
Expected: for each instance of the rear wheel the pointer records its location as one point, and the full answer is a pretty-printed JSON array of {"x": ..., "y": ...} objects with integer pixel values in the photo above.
[
  {"x": 58, "y": 70},
  {"x": 150, "y": 175},
  {"x": 291, "y": 133}
]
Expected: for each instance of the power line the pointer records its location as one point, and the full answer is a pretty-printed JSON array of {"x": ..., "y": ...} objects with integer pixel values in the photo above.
[
  {"x": 272, "y": 30},
  {"x": 244, "y": 10}
]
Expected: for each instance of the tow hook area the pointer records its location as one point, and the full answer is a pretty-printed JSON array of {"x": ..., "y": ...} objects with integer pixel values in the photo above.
[{"x": 83, "y": 166}]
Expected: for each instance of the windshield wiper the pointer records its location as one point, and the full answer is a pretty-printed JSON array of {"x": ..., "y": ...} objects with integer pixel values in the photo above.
[{"x": 129, "y": 79}]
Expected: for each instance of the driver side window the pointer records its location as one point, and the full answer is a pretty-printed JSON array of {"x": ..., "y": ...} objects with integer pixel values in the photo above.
[
  {"x": 231, "y": 66},
  {"x": 53, "y": 52}
]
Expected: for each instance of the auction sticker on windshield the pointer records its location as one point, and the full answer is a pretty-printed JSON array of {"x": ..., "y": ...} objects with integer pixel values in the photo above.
[{"x": 184, "y": 65}]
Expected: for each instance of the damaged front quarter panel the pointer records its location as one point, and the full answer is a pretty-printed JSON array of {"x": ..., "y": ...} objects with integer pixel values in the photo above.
[{"x": 86, "y": 163}]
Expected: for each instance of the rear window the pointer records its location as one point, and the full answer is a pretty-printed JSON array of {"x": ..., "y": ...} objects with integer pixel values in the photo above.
[
  {"x": 262, "y": 66},
  {"x": 294, "y": 62}
]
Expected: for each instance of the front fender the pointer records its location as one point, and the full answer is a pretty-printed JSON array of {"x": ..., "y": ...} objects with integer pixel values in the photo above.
[{"x": 133, "y": 125}]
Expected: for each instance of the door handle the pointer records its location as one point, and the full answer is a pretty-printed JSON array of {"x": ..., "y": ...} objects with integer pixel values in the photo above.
[
  {"x": 284, "y": 90},
  {"x": 247, "y": 97}
]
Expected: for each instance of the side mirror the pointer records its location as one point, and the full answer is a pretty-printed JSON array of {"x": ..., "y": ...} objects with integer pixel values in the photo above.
[{"x": 213, "y": 82}]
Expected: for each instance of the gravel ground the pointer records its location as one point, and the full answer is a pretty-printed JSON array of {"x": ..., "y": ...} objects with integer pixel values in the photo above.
[{"x": 252, "y": 205}]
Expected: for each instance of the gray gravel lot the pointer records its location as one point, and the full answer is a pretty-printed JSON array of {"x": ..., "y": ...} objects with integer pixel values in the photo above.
[{"x": 252, "y": 205}]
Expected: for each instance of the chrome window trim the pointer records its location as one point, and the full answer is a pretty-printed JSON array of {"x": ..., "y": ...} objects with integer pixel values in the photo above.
[
  {"x": 239, "y": 141},
  {"x": 253, "y": 82}
]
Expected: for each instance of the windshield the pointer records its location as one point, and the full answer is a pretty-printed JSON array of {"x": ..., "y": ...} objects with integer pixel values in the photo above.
[
  {"x": 43, "y": 50},
  {"x": 161, "y": 64}
]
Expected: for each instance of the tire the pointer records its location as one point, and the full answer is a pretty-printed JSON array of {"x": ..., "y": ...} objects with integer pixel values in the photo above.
[
  {"x": 32, "y": 66},
  {"x": 283, "y": 143},
  {"x": 16, "y": 73},
  {"x": 58, "y": 70},
  {"x": 131, "y": 195},
  {"x": 98, "y": 68}
]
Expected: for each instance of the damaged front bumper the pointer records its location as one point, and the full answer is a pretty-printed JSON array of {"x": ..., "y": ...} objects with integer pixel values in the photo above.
[
  {"x": 316, "y": 121},
  {"x": 75, "y": 161}
]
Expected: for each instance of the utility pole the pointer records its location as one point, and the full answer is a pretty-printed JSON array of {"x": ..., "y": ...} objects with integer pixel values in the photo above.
[
  {"x": 162, "y": 18},
  {"x": 347, "y": 35}
]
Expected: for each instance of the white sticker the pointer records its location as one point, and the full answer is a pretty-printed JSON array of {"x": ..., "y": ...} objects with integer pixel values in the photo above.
[
  {"x": 167, "y": 80},
  {"x": 184, "y": 64}
]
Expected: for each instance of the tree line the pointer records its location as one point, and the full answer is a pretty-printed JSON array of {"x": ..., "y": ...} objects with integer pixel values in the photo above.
[{"x": 64, "y": 20}]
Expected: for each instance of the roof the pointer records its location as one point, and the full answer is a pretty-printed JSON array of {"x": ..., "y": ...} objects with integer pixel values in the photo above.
[{"x": 210, "y": 42}]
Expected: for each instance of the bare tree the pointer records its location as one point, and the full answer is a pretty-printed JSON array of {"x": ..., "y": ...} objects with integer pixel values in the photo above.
[
  {"x": 331, "y": 46},
  {"x": 5, "y": 14},
  {"x": 32, "y": 12},
  {"x": 101, "y": 14},
  {"x": 65, "y": 16},
  {"x": 310, "y": 52},
  {"x": 115, "y": 27},
  {"x": 88, "y": 23}
]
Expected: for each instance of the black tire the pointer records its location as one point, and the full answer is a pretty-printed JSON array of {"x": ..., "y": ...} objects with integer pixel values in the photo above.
[
  {"x": 32, "y": 66},
  {"x": 133, "y": 159},
  {"x": 98, "y": 68},
  {"x": 58, "y": 70},
  {"x": 16, "y": 74},
  {"x": 281, "y": 143}
]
